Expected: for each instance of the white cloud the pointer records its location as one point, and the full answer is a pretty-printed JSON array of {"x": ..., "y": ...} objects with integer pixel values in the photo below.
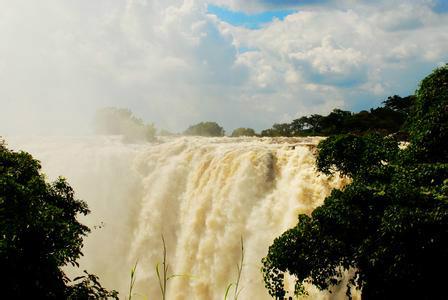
[
  {"x": 174, "y": 64},
  {"x": 373, "y": 49}
]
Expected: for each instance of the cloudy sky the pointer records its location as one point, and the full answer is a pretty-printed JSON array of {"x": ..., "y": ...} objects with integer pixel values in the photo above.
[{"x": 238, "y": 62}]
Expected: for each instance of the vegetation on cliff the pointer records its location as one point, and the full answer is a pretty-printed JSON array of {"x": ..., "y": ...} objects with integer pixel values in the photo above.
[
  {"x": 387, "y": 119},
  {"x": 390, "y": 225},
  {"x": 40, "y": 234}
]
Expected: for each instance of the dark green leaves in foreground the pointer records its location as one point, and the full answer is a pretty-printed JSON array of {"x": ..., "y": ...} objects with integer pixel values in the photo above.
[
  {"x": 389, "y": 227},
  {"x": 39, "y": 233}
]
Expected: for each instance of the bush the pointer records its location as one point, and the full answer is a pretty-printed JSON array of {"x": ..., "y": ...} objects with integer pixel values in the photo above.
[
  {"x": 39, "y": 232},
  {"x": 205, "y": 129},
  {"x": 243, "y": 132}
]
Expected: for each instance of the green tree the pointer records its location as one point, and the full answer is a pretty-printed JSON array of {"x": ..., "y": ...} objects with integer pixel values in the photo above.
[
  {"x": 299, "y": 126},
  {"x": 243, "y": 132},
  {"x": 399, "y": 104},
  {"x": 278, "y": 129},
  {"x": 386, "y": 120},
  {"x": 205, "y": 129},
  {"x": 428, "y": 127},
  {"x": 270, "y": 132},
  {"x": 390, "y": 225},
  {"x": 39, "y": 233},
  {"x": 335, "y": 122},
  {"x": 121, "y": 121}
]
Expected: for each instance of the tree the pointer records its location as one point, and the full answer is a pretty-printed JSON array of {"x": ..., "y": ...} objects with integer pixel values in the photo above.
[
  {"x": 121, "y": 121},
  {"x": 390, "y": 225},
  {"x": 205, "y": 129},
  {"x": 428, "y": 127},
  {"x": 298, "y": 126},
  {"x": 270, "y": 132},
  {"x": 39, "y": 233},
  {"x": 278, "y": 129},
  {"x": 315, "y": 124},
  {"x": 400, "y": 104},
  {"x": 243, "y": 132},
  {"x": 385, "y": 120},
  {"x": 335, "y": 122}
]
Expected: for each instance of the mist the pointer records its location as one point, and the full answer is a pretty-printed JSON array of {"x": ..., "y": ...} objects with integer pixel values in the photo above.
[{"x": 175, "y": 64}]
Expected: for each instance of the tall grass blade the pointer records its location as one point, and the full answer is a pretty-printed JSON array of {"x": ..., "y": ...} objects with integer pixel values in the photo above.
[
  {"x": 133, "y": 277},
  {"x": 228, "y": 290},
  {"x": 240, "y": 269}
]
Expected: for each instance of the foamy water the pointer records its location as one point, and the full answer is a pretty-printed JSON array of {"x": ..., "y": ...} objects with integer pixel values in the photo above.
[{"x": 201, "y": 194}]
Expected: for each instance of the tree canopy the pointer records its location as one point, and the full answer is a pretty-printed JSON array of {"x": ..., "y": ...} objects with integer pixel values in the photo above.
[
  {"x": 39, "y": 233},
  {"x": 390, "y": 225},
  {"x": 385, "y": 120},
  {"x": 205, "y": 129},
  {"x": 121, "y": 121},
  {"x": 243, "y": 132}
]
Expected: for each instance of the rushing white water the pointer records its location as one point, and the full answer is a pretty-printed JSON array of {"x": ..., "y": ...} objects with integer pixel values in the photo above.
[{"x": 201, "y": 194}]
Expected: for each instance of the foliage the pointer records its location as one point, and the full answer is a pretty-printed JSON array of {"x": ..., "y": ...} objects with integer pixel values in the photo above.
[
  {"x": 429, "y": 123},
  {"x": 89, "y": 287},
  {"x": 399, "y": 104},
  {"x": 205, "y": 129},
  {"x": 39, "y": 232},
  {"x": 270, "y": 132},
  {"x": 243, "y": 132},
  {"x": 236, "y": 284},
  {"x": 163, "y": 276},
  {"x": 355, "y": 155},
  {"x": 132, "y": 282},
  {"x": 121, "y": 121},
  {"x": 385, "y": 120},
  {"x": 390, "y": 225}
]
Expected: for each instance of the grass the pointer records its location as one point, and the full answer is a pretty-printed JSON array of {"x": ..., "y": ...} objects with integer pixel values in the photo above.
[
  {"x": 163, "y": 276},
  {"x": 133, "y": 277},
  {"x": 236, "y": 284},
  {"x": 164, "y": 279}
]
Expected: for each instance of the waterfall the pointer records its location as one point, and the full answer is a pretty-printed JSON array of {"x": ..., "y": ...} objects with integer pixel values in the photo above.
[{"x": 202, "y": 194}]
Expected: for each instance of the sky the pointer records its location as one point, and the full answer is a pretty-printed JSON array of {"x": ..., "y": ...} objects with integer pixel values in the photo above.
[{"x": 246, "y": 63}]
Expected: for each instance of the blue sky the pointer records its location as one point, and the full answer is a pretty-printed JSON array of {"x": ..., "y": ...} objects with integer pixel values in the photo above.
[
  {"x": 251, "y": 21},
  {"x": 441, "y": 6}
]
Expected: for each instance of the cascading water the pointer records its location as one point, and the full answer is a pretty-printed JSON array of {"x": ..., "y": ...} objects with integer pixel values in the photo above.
[{"x": 202, "y": 194}]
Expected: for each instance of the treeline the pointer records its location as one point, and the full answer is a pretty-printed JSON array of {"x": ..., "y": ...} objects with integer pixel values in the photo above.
[
  {"x": 388, "y": 119},
  {"x": 121, "y": 121},
  {"x": 385, "y": 120}
]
